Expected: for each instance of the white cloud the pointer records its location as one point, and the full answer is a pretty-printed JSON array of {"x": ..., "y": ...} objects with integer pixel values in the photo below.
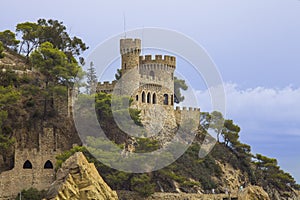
[
  {"x": 269, "y": 119},
  {"x": 259, "y": 107}
]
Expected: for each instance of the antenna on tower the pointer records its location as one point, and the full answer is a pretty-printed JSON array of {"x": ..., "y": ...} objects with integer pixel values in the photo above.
[
  {"x": 142, "y": 39},
  {"x": 124, "y": 25}
]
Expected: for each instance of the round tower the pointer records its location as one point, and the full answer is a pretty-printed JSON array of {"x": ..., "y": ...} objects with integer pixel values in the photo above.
[{"x": 130, "y": 50}]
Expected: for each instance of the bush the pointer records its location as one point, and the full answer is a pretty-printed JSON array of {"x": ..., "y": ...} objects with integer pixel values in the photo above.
[
  {"x": 1, "y": 50},
  {"x": 142, "y": 185},
  {"x": 31, "y": 194}
]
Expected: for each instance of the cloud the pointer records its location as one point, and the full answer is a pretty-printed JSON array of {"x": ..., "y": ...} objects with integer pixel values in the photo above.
[
  {"x": 259, "y": 106},
  {"x": 269, "y": 119}
]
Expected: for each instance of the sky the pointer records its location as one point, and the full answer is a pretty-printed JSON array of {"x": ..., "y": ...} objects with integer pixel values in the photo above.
[{"x": 254, "y": 44}]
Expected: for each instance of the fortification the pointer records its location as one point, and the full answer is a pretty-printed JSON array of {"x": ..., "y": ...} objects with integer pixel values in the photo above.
[
  {"x": 34, "y": 168},
  {"x": 149, "y": 80}
]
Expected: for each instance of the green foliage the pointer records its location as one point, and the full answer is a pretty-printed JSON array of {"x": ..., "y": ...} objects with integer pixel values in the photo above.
[
  {"x": 30, "y": 40},
  {"x": 217, "y": 123},
  {"x": 118, "y": 75},
  {"x": 119, "y": 180},
  {"x": 31, "y": 194},
  {"x": 230, "y": 132},
  {"x": 53, "y": 31},
  {"x": 1, "y": 50},
  {"x": 8, "y": 39},
  {"x": 268, "y": 173},
  {"x": 142, "y": 184},
  {"x": 59, "y": 71},
  {"x": 179, "y": 84},
  {"x": 145, "y": 145},
  {"x": 67, "y": 154}
]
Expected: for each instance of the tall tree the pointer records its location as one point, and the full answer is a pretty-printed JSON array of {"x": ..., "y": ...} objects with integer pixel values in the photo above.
[
  {"x": 230, "y": 132},
  {"x": 56, "y": 67},
  {"x": 53, "y": 31},
  {"x": 91, "y": 79},
  {"x": 30, "y": 39},
  {"x": 179, "y": 85},
  {"x": 217, "y": 123},
  {"x": 9, "y": 40},
  {"x": 118, "y": 75}
]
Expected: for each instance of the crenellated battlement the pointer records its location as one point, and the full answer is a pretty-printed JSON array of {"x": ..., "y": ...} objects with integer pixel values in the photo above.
[
  {"x": 185, "y": 113},
  {"x": 178, "y": 108},
  {"x": 130, "y": 46},
  {"x": 107, "y": 83},
  {"x": 106, "y": 86},
  {"x": 159, "y": 59}
]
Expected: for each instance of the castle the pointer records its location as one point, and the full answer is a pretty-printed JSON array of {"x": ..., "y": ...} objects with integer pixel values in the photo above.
[{"x": 150, "y": 83}]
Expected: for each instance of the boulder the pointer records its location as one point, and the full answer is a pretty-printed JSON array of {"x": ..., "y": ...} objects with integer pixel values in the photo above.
[{"x": 79, "y": 179}]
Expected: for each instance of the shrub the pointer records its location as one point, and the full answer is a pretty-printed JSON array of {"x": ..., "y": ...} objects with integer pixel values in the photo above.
[
  {"x": 1, "y": 50},
  {"x": 31, "y": 194},
  {"x": 142, "y": 184}
]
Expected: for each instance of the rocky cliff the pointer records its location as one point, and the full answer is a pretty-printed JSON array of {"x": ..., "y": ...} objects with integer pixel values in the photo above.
[{"x": 79, "y": 179}]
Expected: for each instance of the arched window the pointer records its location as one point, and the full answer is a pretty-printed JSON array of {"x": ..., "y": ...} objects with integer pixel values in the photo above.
[
  {"x": 154, "y": 98},
  {"x": 143, "y": 97},
  {"x": 166, "y": 99},
  {"x": 152, "y": 74},
  {"x": 172, "y": 100},
  {"x": 48, "y": 165},
  {"x": 137, "y": 97},
  {"x": 148, "y": 97},
  {"x": 27, "y": 165}
]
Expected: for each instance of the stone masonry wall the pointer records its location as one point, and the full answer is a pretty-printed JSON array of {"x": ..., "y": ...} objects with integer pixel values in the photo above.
[{"x": 33, "y": 167}]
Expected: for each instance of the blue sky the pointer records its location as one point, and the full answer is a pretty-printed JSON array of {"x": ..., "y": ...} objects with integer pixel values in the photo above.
[{"x": 255, "y": 45}]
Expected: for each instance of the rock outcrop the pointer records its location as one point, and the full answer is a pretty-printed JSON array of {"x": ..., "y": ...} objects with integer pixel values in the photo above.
[
  {"x": 79, "y": 179},
  {"x": 254, "y": 193}
]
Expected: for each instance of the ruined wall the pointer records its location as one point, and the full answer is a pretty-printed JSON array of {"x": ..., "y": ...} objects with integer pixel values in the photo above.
[{"x": 33, "y": 167}]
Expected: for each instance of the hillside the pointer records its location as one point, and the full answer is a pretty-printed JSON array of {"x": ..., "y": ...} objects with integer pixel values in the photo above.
[{"x": 35, "y": 103}]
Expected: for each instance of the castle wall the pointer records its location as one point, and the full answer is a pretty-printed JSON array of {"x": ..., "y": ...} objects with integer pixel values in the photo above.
[
  {"x": 183, "y": 115},
  {"x": 106, "y": 87},
  {"x": 36, "y": 176}
]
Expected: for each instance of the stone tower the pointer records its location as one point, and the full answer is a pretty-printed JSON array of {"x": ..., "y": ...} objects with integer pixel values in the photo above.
[
  {"x": 130, "y": 50},
  {"x": 149, "y": 81}
]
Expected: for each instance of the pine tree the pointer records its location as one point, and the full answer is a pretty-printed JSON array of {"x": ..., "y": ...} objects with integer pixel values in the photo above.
[{"x": 91, "y": 79}]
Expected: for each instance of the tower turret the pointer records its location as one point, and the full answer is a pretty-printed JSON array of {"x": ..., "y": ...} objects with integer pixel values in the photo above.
[{"x": 130, "y": 50}]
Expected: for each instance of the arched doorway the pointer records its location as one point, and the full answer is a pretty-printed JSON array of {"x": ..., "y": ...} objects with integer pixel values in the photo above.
[
  {"x": 48, "y": 165},
  {"x": 154, "y": 98},
  {"x": 27, "y": 165}
]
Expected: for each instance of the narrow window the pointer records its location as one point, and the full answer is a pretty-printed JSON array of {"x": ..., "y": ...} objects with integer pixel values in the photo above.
[
  {"x": 152, "y": 75},
  {"x": 137, "y": 97},
  {"x": 154, "y": 98},
  {"x": 48, "y": 165},
  {"x": 166, "y": 100},
  {"x": 143, "y": 97},
  {"x": 148, "y": 97},
  {"x": 172, "y": 100},
  {"x": 27, "y": 165}
]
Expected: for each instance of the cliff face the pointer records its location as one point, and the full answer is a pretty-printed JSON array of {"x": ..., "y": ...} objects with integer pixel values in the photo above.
[{"x": 79, "y": 179}]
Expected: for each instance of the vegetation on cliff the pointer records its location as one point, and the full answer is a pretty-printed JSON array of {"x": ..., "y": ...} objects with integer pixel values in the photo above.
[{"x": 27, "y": 101}]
